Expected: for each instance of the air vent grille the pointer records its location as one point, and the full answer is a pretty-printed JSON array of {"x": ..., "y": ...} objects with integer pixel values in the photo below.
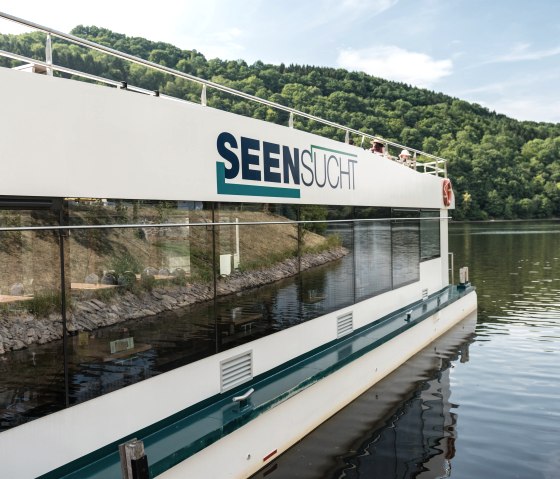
[
  {"x": 235, "y": 371},
  {"x": 344, "y": 324}
]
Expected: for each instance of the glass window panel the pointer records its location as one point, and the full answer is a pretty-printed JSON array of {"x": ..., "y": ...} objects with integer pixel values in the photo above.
[
  {"x": 111, "y": 255},
  {"x": 373, "y": 258},
  {"x": 258, "y": 264},
  {"x": 142, "y": 298},
  {"x": 31, "y": 348},
  {"x": 405, "y": 235},
  {"x": 429, "y": 235},
  {"x": 327, "y": 261},
  {"x": 112, "y": 357}
]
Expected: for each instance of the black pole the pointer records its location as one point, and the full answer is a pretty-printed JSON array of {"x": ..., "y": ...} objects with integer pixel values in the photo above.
[
  {"x": 299, "y": 291},
  {"x": 217, "y": 337},
  {"x": 62, "y": 234},
  {"x": 354, "y": 258}
]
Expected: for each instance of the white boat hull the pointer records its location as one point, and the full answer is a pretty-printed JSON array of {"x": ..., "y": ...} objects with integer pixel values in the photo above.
[{"x": 248, "y": 449}]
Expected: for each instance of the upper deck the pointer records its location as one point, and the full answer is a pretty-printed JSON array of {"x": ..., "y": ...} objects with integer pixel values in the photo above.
[{"x": 102, "y": 142}]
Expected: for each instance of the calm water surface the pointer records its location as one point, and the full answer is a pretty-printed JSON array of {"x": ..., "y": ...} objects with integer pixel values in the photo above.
[{"x": 478, "y": 404}]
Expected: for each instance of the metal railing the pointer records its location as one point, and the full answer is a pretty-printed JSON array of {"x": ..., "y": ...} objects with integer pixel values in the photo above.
[
  {"x": 438, "y": 165},
  {"x": 208, "y": 224}
]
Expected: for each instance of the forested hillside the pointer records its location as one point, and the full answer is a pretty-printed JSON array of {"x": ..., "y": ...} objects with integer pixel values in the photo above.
[{"x": 500, "y": 167}]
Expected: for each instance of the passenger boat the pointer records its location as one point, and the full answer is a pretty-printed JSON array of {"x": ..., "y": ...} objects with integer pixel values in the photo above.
[{"x": 268, "y": 276}]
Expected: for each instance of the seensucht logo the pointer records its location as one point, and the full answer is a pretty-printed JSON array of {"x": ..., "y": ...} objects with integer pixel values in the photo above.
[{"x": 252, "y": 167}]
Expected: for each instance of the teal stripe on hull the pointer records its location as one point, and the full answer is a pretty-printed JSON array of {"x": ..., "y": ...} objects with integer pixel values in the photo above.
[{"x": 250, "y": 190}]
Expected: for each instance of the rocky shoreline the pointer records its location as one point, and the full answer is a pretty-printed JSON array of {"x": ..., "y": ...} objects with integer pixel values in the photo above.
[{"x": 18, "y": 331}]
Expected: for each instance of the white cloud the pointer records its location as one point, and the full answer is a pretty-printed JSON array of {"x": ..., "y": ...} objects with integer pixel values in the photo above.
[
  {"x": 342, "y": 13},
  {"x": 375, "y": 6},
  {"x": 224, "y": 44},
  {"x": 126, "y": 16},
  {"x": 187, "y": 24},
  {"x": 394, "y": 63},
  {"x": 522, "y": 52},
  {"x": 527, "y": 108},
  {"x": 528, "y": 96}
]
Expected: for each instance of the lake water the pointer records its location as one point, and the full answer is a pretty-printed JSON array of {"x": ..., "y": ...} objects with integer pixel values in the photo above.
[{"x": 482, "y": 402}]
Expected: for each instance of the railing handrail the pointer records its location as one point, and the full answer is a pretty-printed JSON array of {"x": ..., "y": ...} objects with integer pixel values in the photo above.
[
  {"x": 209, "y": 223},
  {"x": 89, "y": 76},
  {"x": 207, "y": 83}
]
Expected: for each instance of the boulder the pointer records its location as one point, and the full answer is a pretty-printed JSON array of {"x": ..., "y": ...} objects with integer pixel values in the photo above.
[
  {"x": 109, "y": 278},
  {"x": 17, "y": 289},
  {"x": 91, "y": 278}
]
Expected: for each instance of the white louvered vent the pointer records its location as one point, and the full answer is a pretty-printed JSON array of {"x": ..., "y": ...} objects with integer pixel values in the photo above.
[
  {"x": 235, "y": 371},
  {"x": 344, "y": 324}
]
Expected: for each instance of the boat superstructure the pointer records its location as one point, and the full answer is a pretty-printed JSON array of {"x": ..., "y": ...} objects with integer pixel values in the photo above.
[{"x": 211, "y": 284}]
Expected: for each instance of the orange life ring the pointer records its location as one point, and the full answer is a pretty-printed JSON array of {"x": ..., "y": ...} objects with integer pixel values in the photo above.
[{"x": 447, "y": 192}]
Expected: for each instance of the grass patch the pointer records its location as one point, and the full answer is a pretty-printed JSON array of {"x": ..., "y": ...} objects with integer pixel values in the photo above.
[
  {"x": 267, "y": 261},
  {"x": 44, "y": 303},
  {"x": 331, "y": 242}
]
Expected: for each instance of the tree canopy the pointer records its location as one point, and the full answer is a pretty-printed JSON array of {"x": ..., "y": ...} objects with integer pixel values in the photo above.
[{"x": 500, "y": 167}]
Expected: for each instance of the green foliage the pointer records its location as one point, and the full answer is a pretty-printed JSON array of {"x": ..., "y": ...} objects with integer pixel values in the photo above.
[
  {"x": 163, "y": 209},
  {"x": 313, "y": 213},
  {"x": 147, "y": 282},
  {"x": 509, "y": 169},
  {"x": 201, "y": 263},
  {"x": 125, "y": 262},
  {"x": 44, "y": 303},
  {"x": 180, "y": 278}
]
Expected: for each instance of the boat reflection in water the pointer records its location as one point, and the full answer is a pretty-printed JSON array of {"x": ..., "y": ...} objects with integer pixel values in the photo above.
[{"x": 403, "y": 427}]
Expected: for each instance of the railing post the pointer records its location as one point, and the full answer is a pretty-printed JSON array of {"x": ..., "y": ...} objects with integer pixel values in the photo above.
[
  {"x": 203, "y": 95},
  {"x": 134, "y": 462},
  {"x": 451, "y": 268},
  {"x": 291, "y": 120},
  {"x": 347, "y": 137},
  {"x": 48, "y": 55}
]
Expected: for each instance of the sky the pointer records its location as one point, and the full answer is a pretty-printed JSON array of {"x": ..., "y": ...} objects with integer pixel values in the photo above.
[{"x": 501, "y": 54}]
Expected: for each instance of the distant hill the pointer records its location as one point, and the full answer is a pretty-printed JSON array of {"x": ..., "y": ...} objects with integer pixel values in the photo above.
[{"x": 500, "y": 167}]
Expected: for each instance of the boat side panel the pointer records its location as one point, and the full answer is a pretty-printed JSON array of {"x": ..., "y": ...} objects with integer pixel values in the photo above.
[
  {"x": 242, "y": 452},
  {"x": 64, "y": 138}
]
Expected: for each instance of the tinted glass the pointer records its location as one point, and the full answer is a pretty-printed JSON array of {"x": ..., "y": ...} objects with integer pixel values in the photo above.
[
  {"x": 405, "y": 246},
  {"x": 31, "y": 376},
  {"x": 429, "y": 235},
  {"x": 327, "y": 259}
]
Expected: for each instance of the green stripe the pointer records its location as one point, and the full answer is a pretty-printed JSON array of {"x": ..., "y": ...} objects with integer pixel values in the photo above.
[
  {"x": 250, "y": 190},
  {"x": 332, "y": 151}
]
